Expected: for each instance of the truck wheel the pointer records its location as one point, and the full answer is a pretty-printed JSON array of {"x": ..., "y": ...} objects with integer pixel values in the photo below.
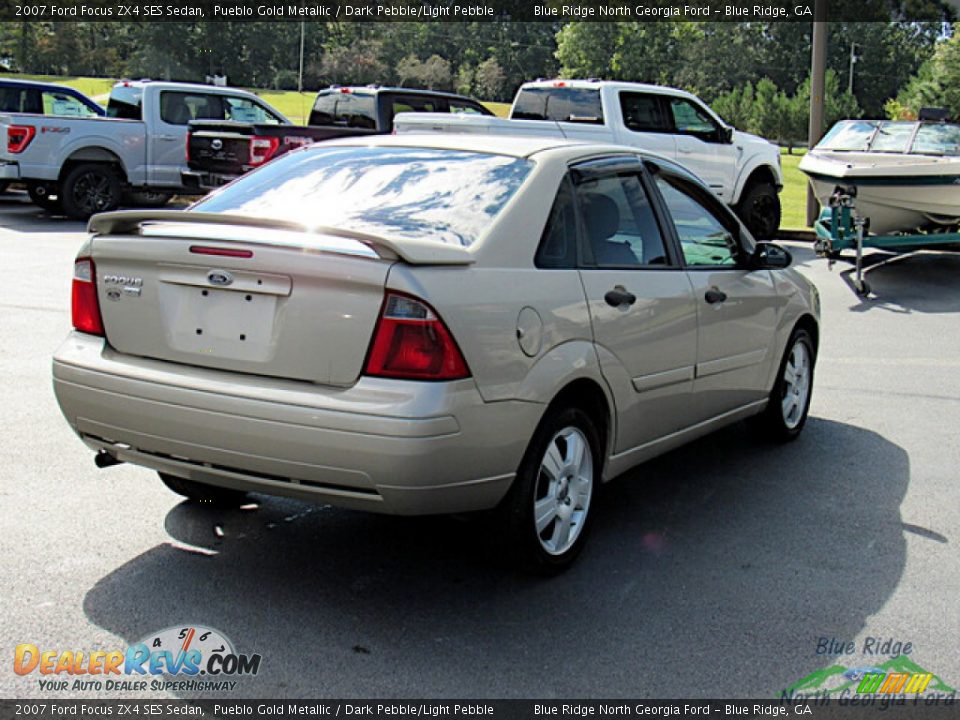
[
  {"x": 45, "y": 196},
  {"x": 759, "y": 209},
  {"x": 90, "y": 189},
  {"x": 203, "y": 493},
  {"x": 146, "y": 198},
  {"x": 547, "y": 511}
]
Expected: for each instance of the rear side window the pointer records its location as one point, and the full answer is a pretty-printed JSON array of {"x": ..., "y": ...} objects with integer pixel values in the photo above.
[
  {"x": 63, "y": 105},
  {"x": 644, "y": 113},
  {"x": 619, "y": 222},
  {"x": 563, "y": 104},
  {"x": 16, "y": 100},
  {"x": 445, "y": 196},
  {"x": 179, "y": 108},
  {"x": 558, "y": 245},
  {"x": 126, "y": 103},
  {"x": 346, "y": 109}
]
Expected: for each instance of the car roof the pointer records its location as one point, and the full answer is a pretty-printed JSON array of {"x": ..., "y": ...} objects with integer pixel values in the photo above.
[
  {"x": 174, "y": 85},
  {"x": 520, "y": 146},
  {"x": 375, "y": 89},
  {"x": 37, "y": 84},
  {"x": 615, "y": 84}
]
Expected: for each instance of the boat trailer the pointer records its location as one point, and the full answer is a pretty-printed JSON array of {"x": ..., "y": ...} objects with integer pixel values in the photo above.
[{"x": 840, "y": 227}]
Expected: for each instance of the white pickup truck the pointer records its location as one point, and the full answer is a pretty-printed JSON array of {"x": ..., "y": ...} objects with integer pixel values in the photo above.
[
  {"x": 744, "y": 170},
  {"x": 85, "y": 165}
]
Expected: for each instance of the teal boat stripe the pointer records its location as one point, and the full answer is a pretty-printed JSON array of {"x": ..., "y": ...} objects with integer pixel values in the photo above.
[{"x": 914, "y": 180}]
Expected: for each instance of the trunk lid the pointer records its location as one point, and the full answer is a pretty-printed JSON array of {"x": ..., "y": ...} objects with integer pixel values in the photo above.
[{"x": 272, "y": 305}]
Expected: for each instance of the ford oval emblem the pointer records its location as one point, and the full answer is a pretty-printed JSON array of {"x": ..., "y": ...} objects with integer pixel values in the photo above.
[
  {"x": 219, "y": 277},
  {"x": 216, "y": 144}
]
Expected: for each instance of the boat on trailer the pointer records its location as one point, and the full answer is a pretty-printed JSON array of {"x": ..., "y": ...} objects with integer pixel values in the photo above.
[{"x": 887, "y": 184}]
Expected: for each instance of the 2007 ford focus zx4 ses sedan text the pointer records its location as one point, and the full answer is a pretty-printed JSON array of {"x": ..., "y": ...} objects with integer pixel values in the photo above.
[{"x": 434, "y": 324}]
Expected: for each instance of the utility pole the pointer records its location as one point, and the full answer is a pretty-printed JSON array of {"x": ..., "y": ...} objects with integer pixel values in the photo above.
[
  {"x": 300, "y": 76},
  {"x": 818, "y": 69},
  {"x": 854, "y": 56}
]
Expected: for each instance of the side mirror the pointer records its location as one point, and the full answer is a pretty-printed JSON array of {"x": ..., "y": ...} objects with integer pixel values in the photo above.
[
  {"x": 726, "y": 134},
  {"x": 770, "y": 256}
]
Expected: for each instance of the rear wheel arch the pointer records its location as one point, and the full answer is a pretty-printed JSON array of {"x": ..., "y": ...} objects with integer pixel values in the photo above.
[
  {"x": 94, "y": 154},
  {"x": 587, "y": 395}
]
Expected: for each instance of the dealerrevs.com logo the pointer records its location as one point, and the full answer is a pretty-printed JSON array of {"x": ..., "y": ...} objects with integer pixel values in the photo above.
[{"x": 181, "y": 658}]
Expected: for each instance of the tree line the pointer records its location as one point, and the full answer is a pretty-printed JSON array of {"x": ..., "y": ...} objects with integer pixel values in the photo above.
[{"x": 755, "y": 73}]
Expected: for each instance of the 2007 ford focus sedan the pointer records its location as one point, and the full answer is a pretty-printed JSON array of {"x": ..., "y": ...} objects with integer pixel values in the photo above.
[{"x": 433, "y": 324}]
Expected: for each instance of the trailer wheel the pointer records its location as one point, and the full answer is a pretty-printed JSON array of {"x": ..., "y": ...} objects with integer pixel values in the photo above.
[
  {"x": 760, "y": 211},
  {"x": 89, "y": 189}
]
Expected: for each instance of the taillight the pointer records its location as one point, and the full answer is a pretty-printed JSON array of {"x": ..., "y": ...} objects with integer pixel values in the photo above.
[
  {"x": 412, "y": 343},
  {"x": 19, "y": 136},
  {"x": 84, "y": 306},
  {"x": 262, "y": 149}
]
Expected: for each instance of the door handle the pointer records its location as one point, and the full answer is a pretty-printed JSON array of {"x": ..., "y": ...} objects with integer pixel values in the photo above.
[
  {"x": 619, "y": 296},
  {"x": 715, "y": 296},
  {"x": 166, "y": 137}
]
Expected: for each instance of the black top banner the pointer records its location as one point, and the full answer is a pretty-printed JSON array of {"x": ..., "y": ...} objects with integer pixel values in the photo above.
[
  {"x": 861, "y": 708},
  {"x": 473, "y": 10}
]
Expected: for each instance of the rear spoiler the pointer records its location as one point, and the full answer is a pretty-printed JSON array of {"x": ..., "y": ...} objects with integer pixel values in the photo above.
[{"x": 415, "y": 252}]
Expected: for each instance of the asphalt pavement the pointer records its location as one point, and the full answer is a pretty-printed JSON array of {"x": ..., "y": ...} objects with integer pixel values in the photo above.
[{"x": 714, "y": 571}]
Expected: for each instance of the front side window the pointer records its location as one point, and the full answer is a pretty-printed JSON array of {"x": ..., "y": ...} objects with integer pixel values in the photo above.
[
  {"x": 246, "y": 110},
  {"x": 620, "y": 226},
  {"x": 459, "y": 106},
  {"x": 63, "y": 105},
  {"x": 643, "y": 113},
  {"x": 704, "y": 238},
  {"x": 404, "y": 104},
  {"x": 691, "y": 120},
  {"x": 445, "y": 196}
]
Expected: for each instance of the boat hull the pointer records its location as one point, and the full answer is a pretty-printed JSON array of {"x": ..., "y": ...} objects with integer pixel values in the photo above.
[{"x": 898, "y": 193}]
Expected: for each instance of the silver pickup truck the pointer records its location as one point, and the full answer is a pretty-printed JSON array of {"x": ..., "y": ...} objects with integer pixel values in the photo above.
[{"x": 85, "y": 165}]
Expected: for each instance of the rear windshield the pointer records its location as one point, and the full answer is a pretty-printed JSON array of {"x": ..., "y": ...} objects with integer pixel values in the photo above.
[
  {"x": 126, "y": 102},
  {"x": 562, "y": 104},
  {"x": 447, "y": 196},
  {"x": 346, "y": 109}
]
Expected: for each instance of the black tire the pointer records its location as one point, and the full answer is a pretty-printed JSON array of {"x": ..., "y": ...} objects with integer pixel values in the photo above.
[
  {"x": 42, "y": 196},
  {"x": 760, "y": 211},
  {"x": 146, "y": 198},
  {"x": 773, "y": 422},
  {"x": 89, "y": 189},
  {"x": 203, "y": 493},
  {"x": 532, "y": 484}
]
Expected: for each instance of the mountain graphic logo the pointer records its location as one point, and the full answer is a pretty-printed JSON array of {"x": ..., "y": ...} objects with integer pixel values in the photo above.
[{"x": 898, "y": 675}]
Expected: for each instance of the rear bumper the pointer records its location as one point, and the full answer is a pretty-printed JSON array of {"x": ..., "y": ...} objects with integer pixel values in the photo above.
[
  {"x": 199, "y": 181},
  {"x": 9, "y": 171},
  {"x": 382, "y": 445}
]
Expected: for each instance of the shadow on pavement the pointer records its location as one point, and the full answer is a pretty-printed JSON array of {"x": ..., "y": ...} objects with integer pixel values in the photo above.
[
  {"x": 923, "y": 282},
  {"x": 712, "y": 572}
]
